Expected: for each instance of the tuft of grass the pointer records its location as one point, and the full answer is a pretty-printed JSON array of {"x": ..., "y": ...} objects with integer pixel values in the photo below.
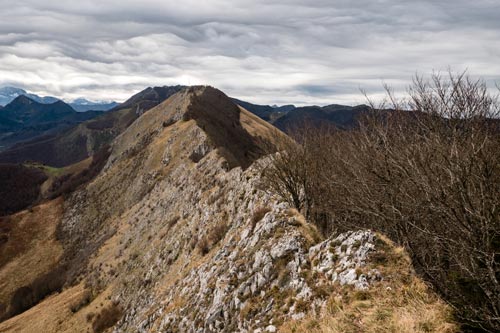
[
  {"x": 258, "y": 215},
  {"x": 203, "y": 246}
]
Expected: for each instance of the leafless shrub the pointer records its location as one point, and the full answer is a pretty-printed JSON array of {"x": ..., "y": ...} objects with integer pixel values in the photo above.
[
  {"x": 85, "y": 299},
  {"x": 214, "y": 236},
  {"x": 89, "y": 316},
  {"x": 286, "y": 175},
  {"x": 193, "y": 242}
]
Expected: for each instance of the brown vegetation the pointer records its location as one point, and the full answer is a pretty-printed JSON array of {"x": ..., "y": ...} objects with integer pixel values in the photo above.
[
  {"x": 28, "y": 258},
  {"x": 203, "y": 246},
  {"x": 213, "y": 237},
  {"x": 429, "y": 178}
]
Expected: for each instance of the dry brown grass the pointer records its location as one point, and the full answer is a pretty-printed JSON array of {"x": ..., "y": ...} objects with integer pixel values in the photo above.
[
  {"x": 218, "y": 233},
  {"x": 258, "y": 127},
  {"x": 401, "y": 303},
  {"x": 31, "y": 250},
  {"x": 52, "y": 315}
]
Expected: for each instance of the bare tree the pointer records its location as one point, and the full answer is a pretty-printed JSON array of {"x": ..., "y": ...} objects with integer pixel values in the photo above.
[{"x": 425, "y": 171}]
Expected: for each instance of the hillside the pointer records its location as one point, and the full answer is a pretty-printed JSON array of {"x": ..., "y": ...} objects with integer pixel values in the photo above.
[
  {"x": 176, "y": 234},
  {"x": 80, "y": 142}
]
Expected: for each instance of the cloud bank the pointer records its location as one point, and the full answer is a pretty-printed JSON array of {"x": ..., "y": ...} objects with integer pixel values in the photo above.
[{"x": 293, "y": 51}]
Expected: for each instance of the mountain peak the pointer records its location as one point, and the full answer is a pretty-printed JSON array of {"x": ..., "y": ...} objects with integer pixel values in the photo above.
[
  {"x": 214, "y": 123},
  {"x": 220, "y": 119},
  {"x": 22, "y": 100},
  {"x": 171, "y": 230}
]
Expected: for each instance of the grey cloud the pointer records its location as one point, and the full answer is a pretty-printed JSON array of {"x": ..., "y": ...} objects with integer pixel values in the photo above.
[{"x": 293, "y": 51}]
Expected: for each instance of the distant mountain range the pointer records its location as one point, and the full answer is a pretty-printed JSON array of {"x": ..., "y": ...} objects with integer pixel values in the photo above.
[
  {"x": 83, "y": 105},
  {"x": 341, "y": 116},
  {"x": 24, "y": 119},
  {"x": 8, "y": 94},
  {"x": 266, "y": 112},
  {"x": 57, "y": 135},
  {"x": 84, "y": 139}
]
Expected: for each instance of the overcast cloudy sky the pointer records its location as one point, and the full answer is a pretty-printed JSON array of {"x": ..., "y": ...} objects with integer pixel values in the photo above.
[{"x": 295, "y": 51}]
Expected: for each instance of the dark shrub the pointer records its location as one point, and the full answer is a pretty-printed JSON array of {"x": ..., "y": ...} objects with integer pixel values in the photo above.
[
  {"x": 28, "y": 296},
  {"x": 203, "y": 246},
  {"x": 108, "y": 317},
  {"x": 19, "y": 187},
  {"x": 217, "y": 233},
  {"x": 173, "y": 221}
]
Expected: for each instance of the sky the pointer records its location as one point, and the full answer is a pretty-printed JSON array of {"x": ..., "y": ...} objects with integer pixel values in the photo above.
[{"x": 268, "y": 52}]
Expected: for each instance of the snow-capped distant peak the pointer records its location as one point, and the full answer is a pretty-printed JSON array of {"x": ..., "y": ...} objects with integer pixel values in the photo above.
[
  {"x": 84, "y": 101},
  {"x": 8, "y": 94},
  {"x": 83, "y": 104}
]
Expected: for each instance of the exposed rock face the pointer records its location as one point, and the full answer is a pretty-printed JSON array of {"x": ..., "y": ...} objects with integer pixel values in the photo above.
[
  {"x": 257, "y": 275},
  {"x": 259, "y": 279},
  {"x": 339, "y": 258}
]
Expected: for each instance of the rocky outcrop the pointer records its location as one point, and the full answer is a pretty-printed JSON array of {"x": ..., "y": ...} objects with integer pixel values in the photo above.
[{"x": 339, "y": 259}]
